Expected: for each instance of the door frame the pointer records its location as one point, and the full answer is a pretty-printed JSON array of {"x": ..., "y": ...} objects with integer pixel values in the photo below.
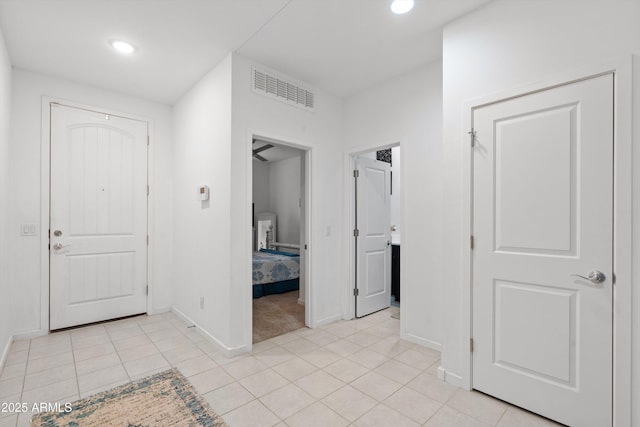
[
  {"x": 45, "y": 180},
  {"x": 309, "y": 296},
  {"x": 623, "y": 217},
  {"x": 349, "y": 299}
]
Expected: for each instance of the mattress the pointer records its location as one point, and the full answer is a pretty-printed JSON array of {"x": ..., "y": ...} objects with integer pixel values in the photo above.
[{"x": 271, "y": 266}]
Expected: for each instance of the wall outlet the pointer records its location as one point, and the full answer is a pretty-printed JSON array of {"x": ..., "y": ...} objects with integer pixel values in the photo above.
[{"x": 201, "y": 303}]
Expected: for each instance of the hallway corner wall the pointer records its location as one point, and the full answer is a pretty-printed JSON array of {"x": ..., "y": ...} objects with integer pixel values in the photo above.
[{"x": 6, "y": 290}]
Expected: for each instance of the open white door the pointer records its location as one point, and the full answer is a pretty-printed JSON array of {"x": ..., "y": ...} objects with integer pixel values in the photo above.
[
  {"x": 373, "y": 236},
  {"x": 98, "y": 225},
  {"x": 543, "y": 217}
]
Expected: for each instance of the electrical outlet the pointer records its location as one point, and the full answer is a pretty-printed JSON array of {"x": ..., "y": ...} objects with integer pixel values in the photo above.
[{"x": 201, "y": 303}]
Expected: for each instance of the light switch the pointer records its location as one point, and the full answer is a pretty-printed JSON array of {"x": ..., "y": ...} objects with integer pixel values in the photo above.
[{"x": 28, "y": 229}]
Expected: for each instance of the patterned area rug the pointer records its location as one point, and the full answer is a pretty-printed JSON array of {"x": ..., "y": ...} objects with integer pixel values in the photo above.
[{"x": 164, "y": 399}]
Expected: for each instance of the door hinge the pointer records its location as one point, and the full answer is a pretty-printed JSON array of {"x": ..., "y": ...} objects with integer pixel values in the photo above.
[
  {"x": 472, "y": 137},
  {"x": 148, "y": 143},
  {"x": 471, "y": 345},
  {"x": 147, "y": 189},
  {"x": 147, "y": 290},
  {"x": 356, "y": 292},
  {"x": 613, "y": 279},
  {"x": 356, "y": 232},
  {"x": 356, "y": 173},
  {"x": 305, "y": 246},
  {"x": 147, "y": 240},
  {"x": 472, "y": 242}
]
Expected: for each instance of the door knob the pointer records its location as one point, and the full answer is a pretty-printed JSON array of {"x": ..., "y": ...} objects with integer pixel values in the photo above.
[
  {"x": 594, "y": 276},
  {"x": 59, "y": 246},
  {"x": 57, "y": 233}
]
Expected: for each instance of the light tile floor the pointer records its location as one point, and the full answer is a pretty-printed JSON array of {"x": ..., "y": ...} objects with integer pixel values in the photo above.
[{"x": 356, "y": 373}]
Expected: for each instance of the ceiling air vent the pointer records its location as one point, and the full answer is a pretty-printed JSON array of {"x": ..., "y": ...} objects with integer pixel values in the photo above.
[{"x": 267, "y": 84}]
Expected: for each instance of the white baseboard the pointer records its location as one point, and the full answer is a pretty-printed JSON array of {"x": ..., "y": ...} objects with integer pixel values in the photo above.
[
  {"x": 228, "y": 351},
  {"x": 300, "y": 301},
  {"x": 422, "y": 341},
  {"x": 5, "y": 352},
  {"x": 450, "y": 377},
  {"x": 160, "y": 310},
  {"x": 29, "y": 335},
  {"x": 326, "y": 321}
]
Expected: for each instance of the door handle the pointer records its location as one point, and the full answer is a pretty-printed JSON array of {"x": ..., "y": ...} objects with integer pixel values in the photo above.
[
  {"x": 59, "y": 246},
  {"x": 594, "y": 277}
]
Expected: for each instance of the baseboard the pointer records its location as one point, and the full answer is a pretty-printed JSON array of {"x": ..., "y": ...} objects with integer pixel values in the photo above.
[
  {"x": 422, "y": 341},
  {"x": 5, "y": 352},
  {"x": 161, "y": 310},
  {"x": 300, "y": 301},
  {"x": 450, "y": 377},
  {"x": 29, "y": 335},
  {"x": 228, "y": 351},
  {"x": 326, "y": 321}
]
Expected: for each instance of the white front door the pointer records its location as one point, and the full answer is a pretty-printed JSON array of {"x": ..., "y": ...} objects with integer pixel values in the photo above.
[
  {"x": 373, "y": 250},
  {"x": 98, "y": 223},
  {"x": 543, "y": 216}
]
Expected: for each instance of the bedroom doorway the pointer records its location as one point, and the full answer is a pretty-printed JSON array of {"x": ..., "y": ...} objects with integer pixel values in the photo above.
[{"x": 279, "y": 257}]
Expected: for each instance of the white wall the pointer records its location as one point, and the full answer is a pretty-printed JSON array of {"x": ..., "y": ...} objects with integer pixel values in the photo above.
[
  {"x": 321, "y": 131},
  {"x": 202, "y": 233},
  {"x": 408, "y": 109},
  {"x": 261, "y": 186},
  {"x": 6, "y": 316},
  {"x": 26, "y": 131},
  {"x": 284, "y": 198},
  {"x": 507, "y": 45}
]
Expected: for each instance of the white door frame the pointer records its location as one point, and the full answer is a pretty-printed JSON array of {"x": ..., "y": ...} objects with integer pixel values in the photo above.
[
  {"x": 45, "y": 178},
  {"x": 309, "y": 296},
  {"x": 349, "y": 299},
  {"x": 624, "y": 180}
]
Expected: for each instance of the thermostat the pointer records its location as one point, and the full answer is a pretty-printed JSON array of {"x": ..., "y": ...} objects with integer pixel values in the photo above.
[{"x": 203, "y": 193}]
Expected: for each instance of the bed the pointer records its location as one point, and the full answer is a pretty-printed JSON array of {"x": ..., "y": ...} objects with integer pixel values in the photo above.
[{"x": 275, "y": 272}]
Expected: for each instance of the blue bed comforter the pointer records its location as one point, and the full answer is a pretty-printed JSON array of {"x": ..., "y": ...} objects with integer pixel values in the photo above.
[{"x": 274, "y": 266}]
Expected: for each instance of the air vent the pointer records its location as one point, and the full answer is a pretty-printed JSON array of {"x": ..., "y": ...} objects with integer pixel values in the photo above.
[{"x": 275, "y": 87}]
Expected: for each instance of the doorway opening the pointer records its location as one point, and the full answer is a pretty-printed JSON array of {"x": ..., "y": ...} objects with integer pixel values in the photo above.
[
  {"x": 377, "y": 225},
  {"x": 280, "y": 221}
]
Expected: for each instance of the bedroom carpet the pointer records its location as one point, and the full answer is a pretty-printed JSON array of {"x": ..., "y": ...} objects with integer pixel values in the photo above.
[{"x": 274, "y": 315}]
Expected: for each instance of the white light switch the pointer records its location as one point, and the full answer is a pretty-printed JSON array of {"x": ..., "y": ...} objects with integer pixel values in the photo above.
[{"x": 29, "y": 229}]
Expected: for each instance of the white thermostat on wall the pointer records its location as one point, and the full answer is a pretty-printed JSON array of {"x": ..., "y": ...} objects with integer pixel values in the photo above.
[{"x": 203, "y": 192}]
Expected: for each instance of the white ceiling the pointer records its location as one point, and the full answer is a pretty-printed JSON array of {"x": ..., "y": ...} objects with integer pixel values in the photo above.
[{"x": 342, "y": 46}]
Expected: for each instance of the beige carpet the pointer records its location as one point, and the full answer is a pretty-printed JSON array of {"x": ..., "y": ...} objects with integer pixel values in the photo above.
[
  {"x": 164, "y": 399},
  {"x": 275, "y": 315}
]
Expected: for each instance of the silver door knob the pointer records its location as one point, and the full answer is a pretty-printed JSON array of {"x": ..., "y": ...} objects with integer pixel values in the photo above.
[
  {"x": 57, "y": 233},
  {"x": 57, "y": 246},
  {"x": 594, "y": 276}
]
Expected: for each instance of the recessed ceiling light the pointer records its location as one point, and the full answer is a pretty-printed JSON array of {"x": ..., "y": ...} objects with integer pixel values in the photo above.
[
  {"x": 401, "y": 6},
  {"x": 122, "y": 47}
]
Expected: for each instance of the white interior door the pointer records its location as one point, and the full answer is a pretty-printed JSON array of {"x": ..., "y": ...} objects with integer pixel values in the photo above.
[
  {"x": 98, "y": 224},
  {"x": 373, "y": 241},
  {"x": 543, "y": 214}
]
